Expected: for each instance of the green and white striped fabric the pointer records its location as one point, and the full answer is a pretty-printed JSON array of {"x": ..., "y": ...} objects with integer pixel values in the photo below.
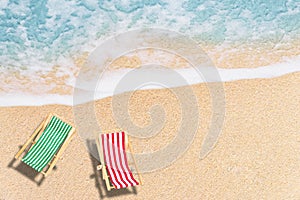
[{"x": 48, "y": 144}]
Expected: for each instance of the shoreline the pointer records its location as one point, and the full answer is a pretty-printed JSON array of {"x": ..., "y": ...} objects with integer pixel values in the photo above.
[{"x": 226, "y": 76}]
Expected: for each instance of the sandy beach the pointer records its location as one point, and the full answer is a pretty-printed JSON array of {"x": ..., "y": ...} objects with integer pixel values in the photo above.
[{"x": 256, "y": 157}]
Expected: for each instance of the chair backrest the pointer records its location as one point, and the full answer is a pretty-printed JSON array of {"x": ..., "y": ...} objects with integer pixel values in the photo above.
[
  {"x": 43, "y": 151},
  {"x": 114, "y": 152}
]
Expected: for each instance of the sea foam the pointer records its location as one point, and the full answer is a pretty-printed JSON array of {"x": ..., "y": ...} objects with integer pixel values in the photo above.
[{"x": 108, "y": 83}]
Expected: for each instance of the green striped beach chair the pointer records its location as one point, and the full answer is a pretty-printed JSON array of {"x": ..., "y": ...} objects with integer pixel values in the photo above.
[{"x": 46, "y": 144}]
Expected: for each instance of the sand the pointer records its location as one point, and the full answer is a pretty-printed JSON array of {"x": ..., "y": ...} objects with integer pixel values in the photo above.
[{"x": 256, "y": 157}]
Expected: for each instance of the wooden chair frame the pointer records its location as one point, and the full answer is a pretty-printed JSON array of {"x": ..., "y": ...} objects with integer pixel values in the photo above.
[
  {"x": 36, "y": 135},
  {"x": 102, "y": 166}
]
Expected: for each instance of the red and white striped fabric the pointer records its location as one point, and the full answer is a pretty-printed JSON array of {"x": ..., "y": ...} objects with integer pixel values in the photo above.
[{"x": 116, "y": 161}]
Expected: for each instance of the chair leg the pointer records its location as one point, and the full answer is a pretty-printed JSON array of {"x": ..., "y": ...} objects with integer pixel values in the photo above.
[
  {"x": 107, "y": 183},
  {"x": 41, "y": 131},
  {"x": 30, "y": 139}
]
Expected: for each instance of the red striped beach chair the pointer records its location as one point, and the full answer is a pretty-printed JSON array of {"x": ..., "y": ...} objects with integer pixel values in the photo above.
[
  {"x": 46, "y": 144},
  {"x": 114, "y": 165}
]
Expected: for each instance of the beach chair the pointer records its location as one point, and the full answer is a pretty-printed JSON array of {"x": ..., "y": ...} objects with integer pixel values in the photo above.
[
  {"x": 46, "y": 144},
  {"x": 114, "y": 165}
]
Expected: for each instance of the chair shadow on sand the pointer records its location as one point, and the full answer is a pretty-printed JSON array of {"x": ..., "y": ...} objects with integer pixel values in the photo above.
[
  {"x": 27, "y": 171},
  {"x": 100, "y": 183}
]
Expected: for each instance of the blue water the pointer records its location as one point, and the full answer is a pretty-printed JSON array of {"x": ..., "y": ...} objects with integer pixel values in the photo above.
[{"x": 39, "y": 32}]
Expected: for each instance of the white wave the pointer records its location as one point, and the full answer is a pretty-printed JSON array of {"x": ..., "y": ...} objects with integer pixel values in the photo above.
[
  {"x": 108, "y": 85},
  {"x": 34, "y": 100}
]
